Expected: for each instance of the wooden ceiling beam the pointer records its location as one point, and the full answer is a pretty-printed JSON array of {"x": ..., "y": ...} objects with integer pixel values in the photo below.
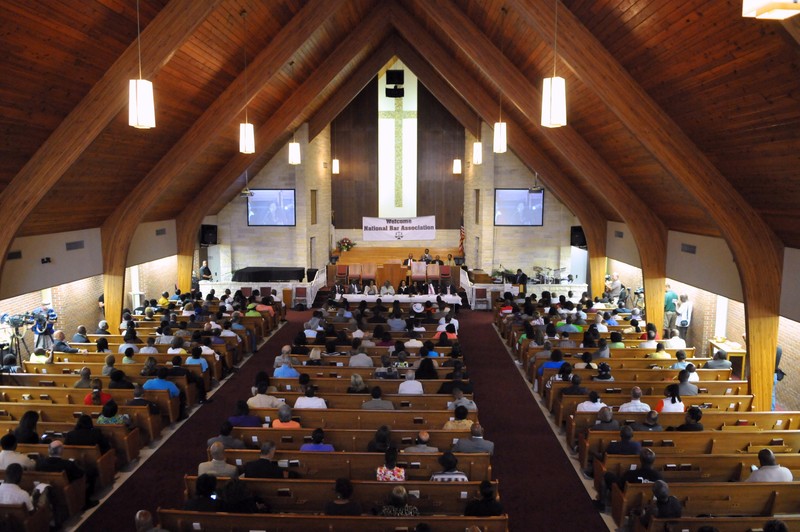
[
  {"x": 647, "y": 229},
  {"x": 419, "y": 42},
  {"x": 756, "y": 249},
  {"x": 118, "y": 230},
  {"x": 107, "y": 98},
  {"x": 374, "y": 26}
]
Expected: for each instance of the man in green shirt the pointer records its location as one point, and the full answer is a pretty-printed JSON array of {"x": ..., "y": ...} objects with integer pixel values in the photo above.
[{"x": 670, "y": 310}]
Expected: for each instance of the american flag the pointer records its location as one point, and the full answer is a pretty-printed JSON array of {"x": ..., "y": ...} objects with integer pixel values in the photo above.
[{"x": 462, "y": 236}]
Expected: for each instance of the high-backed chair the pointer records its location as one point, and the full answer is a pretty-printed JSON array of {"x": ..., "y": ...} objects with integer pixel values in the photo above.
[
  {"x": 419, "y": 271},
  {"x": 300, "y": 295},
  {"x": 444, "y": 273},
  {"x": 247, "y": 291},
  {"x": 433, "y": 272},
  {"x": 369, "y": 271},
  {"x": 481, "y": 296},
  {"x": 354, "y": 273},
  {"x": 341, "y": 273},
  {"x": 266, "y": 291}
]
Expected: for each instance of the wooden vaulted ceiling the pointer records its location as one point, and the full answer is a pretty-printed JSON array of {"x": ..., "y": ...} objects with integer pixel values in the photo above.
[{"x": 732, "y": 85}]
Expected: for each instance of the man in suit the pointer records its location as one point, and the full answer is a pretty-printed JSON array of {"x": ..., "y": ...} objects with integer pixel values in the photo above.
[
  {"x": 54, "y": 464},
  {"x": 377, "y": 402},
  {"x": 217, "y": 466},
  {"x": 409, "y": 261},
  {"x": 353, "y": 288},
  {"x": 265, "y": 466},
  {"x": 475, "y": 443}
]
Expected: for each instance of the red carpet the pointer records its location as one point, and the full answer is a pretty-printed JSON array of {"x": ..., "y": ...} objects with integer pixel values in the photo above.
[{"x": 538, "y": 486}]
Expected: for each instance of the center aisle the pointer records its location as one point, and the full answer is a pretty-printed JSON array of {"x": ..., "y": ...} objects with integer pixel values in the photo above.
[
  {"x": 538, "y": 485},
  {"x": 159, "y": 481}
]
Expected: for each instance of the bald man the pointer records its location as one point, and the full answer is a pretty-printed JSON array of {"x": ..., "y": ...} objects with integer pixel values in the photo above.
[
  {"x": 144, "y": 522},
  {"x": 217, "y": 466},
  {"x": 423, "y": 438},
  {"x": 769, "y": 471}
]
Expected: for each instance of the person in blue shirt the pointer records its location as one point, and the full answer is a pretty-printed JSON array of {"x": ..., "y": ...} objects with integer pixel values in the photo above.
[
  {"x": 286, "y": 371},
  {"x": 197, "y": 359},
  {"x": 556, "y": 359},
  {"x": 160, "y": 382},
  {"x": 317, "y": 445}
]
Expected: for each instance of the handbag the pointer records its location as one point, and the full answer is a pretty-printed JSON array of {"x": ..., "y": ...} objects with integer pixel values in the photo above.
[{"x": 684, "y": 323}]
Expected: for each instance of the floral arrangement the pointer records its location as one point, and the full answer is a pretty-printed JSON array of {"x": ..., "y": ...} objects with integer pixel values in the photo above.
[{"x": 345, "y": 244}]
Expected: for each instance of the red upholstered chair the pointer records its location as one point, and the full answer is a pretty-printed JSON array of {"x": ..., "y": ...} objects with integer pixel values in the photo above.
[
  {"x": 265, "y": 291},
  {"x": 247, "y": 291},
  {"x": 341, "y": 273},
  {"x": 300, "y": 295},
  {"x": 354, "y": 272},
  {"x": 419, "y": 271},
  {"x": 444, "y": 273},
  {"x": 481, "y": 296},
  {"x": 368, "y": 272}
]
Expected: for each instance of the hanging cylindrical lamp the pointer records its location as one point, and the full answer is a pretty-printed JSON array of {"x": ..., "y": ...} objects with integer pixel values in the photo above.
[
  {"x": 456, "y": 166},
  {"x": 141, "y": 105},
  {"x": 335, "y": 166},
  {"x": 554, "y": 91},
  {"x": 500, "y": 140},
  {"x": 477, "y": 146},
  {"x": 247, "y": 134},
  {"x": 294, "y": 152}
]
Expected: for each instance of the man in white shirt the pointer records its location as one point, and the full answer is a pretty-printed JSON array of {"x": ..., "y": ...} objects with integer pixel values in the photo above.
[
  {"x": 387, "y": 289},
  {"x": 262, "y": 400},
  {"x": 651, "y": 341},
  {"x": 414, "y": 342},
  {"x": 675, "y": 341},
  {"x": 10, "y": 492},
  {"x": 410, "y": 386},
  {"x": 635, "y": 404},
  {"x": 460, "y": 400},
  {"x": 9, "y": 454},
  {"x": 360, "y": 360},
  {"x": 310, "y": 400},
  {"x": 769, "y": 471},
  {"x": 593, "y": 404},
  {"x": 601, "y": 326}
]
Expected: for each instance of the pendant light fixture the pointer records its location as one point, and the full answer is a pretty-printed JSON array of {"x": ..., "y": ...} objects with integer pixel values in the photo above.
[
  {"x": 141, "y": 108},
  {"x": 770, "y": 9},
  {"x": 456, "y": 166},
  {"x": 477, "y": 147},
  {"x": 294, "y": 146},
  {"x": 247, "y": 135},
  {"x": 335, "y": 161},
  {"x": 554, "y": 90},
  {"x": 500, "y": 138}
]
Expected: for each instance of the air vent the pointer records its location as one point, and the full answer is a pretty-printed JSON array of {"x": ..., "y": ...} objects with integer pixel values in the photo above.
[
  {"x": 161, "y": 232},
  {"x": 14, "y": 255},
  {"x": 72, "y": 246},
  {"x": 689, "y": 248},
  {"x": 619, "y": 234}
]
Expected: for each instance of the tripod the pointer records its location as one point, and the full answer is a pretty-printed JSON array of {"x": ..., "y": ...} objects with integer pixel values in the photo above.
[{"x": 14, "y": 346}]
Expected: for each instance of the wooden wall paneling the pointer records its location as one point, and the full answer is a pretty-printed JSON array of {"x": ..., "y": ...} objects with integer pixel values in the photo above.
[
  {"x": 160, "y": 39},
  {"x": 354, "y": 192},
  {"x": 121, "y": 225},
  {"x": 439, "y": 64},
  {"x": 648, "y": 231},
  {"x": 274, "y": 129},
  {"x": 440, "y": 139},
  {"x": 755, "y": 247}
]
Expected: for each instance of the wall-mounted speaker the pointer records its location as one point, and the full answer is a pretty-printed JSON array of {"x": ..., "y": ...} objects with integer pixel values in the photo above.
[
  {"x": 576, "y": 237},
  {"x": 208, "y": 235}
]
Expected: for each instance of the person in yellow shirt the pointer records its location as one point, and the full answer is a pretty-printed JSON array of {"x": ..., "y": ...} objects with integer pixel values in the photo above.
[
  {"x": 163, "y": 301},
  {"x": 661, "y": 352}
]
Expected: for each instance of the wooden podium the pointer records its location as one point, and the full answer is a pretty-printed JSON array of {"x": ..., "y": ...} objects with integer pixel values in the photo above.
[{"x": 394, "y": 273}]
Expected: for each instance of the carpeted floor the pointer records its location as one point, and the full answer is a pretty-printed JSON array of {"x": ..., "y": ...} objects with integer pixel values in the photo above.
[{"x": 538, "y": 486}]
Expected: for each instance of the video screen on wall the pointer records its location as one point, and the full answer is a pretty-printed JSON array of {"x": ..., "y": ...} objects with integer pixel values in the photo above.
[
  {"x": 270, "y": 206},
  {"x": 518, "y": 206}
]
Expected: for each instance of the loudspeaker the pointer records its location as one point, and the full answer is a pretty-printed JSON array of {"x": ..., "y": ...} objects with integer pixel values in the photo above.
[
  {"x": 208, "y": 235},
  {"x": 395, "y": 77},
  {"x": 576, "y": 237}
]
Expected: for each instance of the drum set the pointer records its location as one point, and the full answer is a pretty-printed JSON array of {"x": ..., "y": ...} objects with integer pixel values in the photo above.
[{"x": 544, "y": 275}]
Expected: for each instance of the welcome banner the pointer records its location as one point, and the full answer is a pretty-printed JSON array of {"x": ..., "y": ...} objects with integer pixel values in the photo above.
[{"x": 387, "y": 229}]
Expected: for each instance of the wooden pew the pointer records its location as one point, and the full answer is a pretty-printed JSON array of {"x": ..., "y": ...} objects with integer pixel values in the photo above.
[
  {"x": 353, "y": 401},
  {"x": 351, "y": 440},
  {"x": 74, "y": 368},
  {"x": 623, "y": 388},
  {"x": 127, "y": 442},
  {"x": 67, "y": 381},
  {"x": 712, "y": 420},
  {"x": 16, "y": 518},
  {"x": 566, "y": 404},
  {"x": 163, "y": 359},
  {"x": 714, "y": 498},
  {"x": 723, "y": 524},
  {"x": 344, "y": 372},
  {"x": 694, "y": 467},
  {"x": 170, "y": 406},
  {"x": 366, "y": 419},
  {"x": 149, "y": 424},
  {"x": 87, "y": 456},
  {"x": 69, "y": 497},
  {"x": 183, "y": 521},
  {"x": 664, "y": 375},
  {"x": 328, "y": 385},
  {"x": 362, "y": 465},
  {"x": 707, "y": 442},
  {"x": 306, "y": 496}
]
